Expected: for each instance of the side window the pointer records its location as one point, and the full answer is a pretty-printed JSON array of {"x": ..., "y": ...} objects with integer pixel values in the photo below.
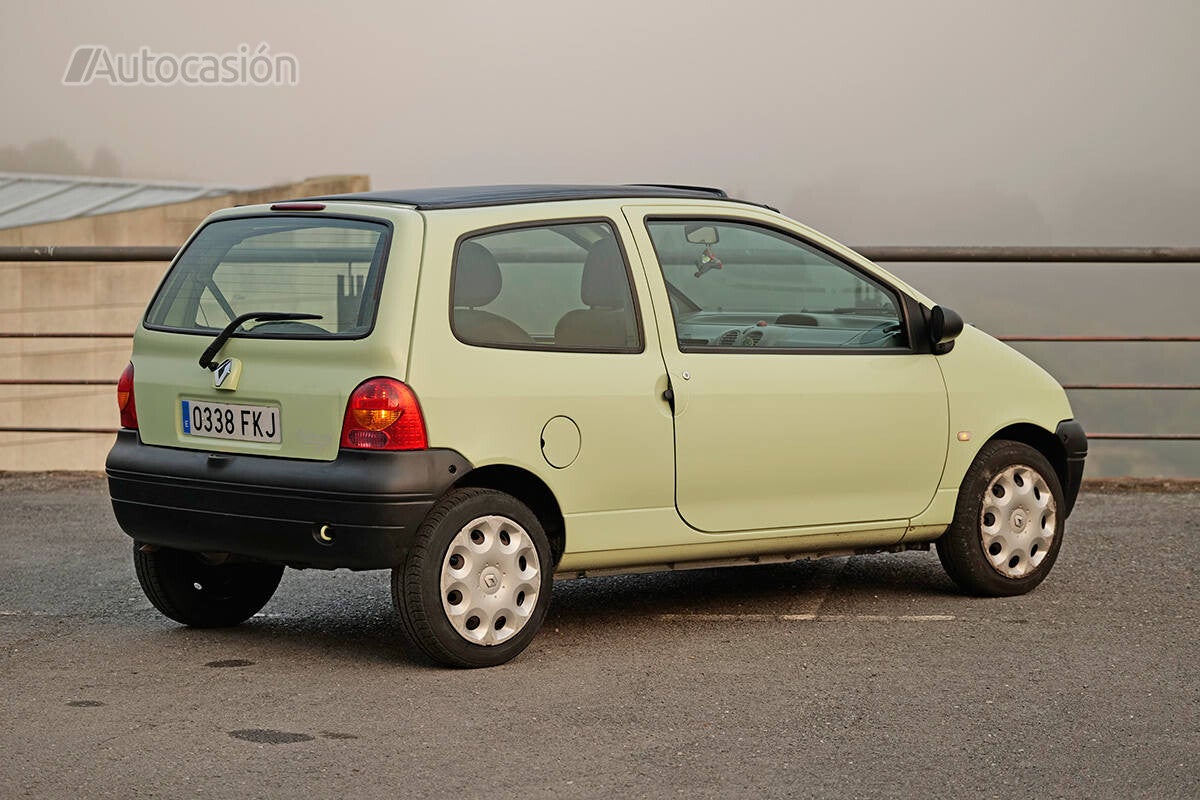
[
  {"x": 553, "y": 287},
  {"x": 735, "y": 286}
]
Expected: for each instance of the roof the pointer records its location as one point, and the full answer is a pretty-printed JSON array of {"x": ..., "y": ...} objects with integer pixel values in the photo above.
[
  {"x": 474, "y": 196},
  {"x": 29, "y": 199}
]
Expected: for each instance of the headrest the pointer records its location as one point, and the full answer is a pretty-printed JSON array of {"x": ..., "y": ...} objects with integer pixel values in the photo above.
[
  {"x": 477, "y": 278},
  {"x": 604, "y": 283}
]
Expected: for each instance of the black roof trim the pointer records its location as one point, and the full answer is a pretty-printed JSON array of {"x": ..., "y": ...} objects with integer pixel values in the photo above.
[{"x": 476, "y": 196}]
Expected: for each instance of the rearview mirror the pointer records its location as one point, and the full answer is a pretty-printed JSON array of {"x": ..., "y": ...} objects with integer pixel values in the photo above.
[
  {"x": 945, "y": 325},
  {"x": 701, "y": 234}
]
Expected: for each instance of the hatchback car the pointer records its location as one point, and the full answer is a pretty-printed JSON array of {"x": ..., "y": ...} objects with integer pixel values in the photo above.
[{"x": 485, "y": 388}]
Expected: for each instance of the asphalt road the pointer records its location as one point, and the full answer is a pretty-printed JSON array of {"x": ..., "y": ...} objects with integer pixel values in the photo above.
[{"x": 858, "y": 677}]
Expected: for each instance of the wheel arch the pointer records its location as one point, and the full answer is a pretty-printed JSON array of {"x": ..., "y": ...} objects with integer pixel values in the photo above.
[
  {"x": 530, "y": 490},
  {"x": 1042, "y": 440}
]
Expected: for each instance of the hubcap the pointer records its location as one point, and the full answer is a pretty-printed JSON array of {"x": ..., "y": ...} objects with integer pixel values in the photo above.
[
  {"x": 1018, "y": 521},
  {"x": 490, "y": 581}
]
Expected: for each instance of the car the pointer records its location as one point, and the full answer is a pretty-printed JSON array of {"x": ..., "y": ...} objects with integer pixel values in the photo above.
[{"x": 486, "y": 388}]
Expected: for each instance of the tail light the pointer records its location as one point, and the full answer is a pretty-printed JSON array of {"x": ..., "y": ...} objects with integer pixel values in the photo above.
[
  {"x": 125, "y": 402},
  {"x": 383, "y": 414}
]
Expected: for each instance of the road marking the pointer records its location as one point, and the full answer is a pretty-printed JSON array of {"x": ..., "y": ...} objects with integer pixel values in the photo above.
[{"x": 805, "y": 618}]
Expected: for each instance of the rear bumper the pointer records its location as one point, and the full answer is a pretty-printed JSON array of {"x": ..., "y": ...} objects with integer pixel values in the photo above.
[
  {"x": 271, "y": 509},
  {"x": 1074, "y": 442}
]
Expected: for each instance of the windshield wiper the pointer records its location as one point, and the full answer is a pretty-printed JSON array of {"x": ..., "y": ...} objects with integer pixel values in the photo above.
[{"x": 207, "y": 359}]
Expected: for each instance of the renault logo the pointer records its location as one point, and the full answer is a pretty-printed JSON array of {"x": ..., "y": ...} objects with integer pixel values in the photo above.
[{"x": 226, "y": 375}]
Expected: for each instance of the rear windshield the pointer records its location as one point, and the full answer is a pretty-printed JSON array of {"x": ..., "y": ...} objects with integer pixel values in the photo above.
[{"x": 326, "y": 266}]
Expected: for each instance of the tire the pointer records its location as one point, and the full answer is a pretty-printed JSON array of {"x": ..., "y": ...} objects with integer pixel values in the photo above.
[
  {"x": 474, "y": 587},
  {"x": 1008, "y": 523},
  {"x": 192, "y": 591}
]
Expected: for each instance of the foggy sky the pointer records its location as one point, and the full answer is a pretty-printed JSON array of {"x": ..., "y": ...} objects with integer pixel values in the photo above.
[{"x": 879, "y": 122}]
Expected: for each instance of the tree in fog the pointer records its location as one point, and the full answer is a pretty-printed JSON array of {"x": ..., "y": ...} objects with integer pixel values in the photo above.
[
  {"x": 105, "y": 163},
  {"x": 55, "y": 157}
]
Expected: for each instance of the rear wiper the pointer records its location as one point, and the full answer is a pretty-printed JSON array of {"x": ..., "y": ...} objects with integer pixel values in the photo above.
[{"x": 208, "y": 359}]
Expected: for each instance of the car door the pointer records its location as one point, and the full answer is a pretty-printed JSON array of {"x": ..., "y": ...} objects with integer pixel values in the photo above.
[
  {"x": 531, "y": 350},
  {"x": 798, "y": 398}
]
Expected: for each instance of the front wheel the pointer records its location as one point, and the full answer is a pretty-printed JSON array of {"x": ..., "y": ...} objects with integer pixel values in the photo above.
[
  {"x": 1008, "y": 524},
  {"x": 192, "y": 590},
  {"x": 475, "y": 585}
]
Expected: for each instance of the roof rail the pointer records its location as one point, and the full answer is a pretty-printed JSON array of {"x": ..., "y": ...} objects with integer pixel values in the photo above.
[
  {"x": 685, "y": 187},
  {"x": 480, "y": 196}
]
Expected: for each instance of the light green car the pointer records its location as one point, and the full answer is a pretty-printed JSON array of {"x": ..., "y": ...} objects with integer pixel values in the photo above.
[{"x": 485, "y": 388}]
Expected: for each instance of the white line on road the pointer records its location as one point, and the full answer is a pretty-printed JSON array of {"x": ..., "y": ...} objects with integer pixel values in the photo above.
[{"x": 805, "y": 618}]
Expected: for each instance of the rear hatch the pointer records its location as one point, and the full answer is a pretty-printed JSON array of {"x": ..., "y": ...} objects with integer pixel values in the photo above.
[{"x": 333, "y": 292}]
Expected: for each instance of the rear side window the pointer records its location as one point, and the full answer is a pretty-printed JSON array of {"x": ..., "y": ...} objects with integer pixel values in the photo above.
[
  {"x": 545, "y": 287},
  {"x": 332, "y": 267}
]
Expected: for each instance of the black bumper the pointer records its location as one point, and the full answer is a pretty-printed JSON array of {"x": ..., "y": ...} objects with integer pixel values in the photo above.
[
  {"x": 271, "y": 509},
  {"x": 1074, "y": 442}
]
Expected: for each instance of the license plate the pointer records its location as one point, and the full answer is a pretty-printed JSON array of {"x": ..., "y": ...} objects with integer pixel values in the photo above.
[{"x": 231, "y": 421}]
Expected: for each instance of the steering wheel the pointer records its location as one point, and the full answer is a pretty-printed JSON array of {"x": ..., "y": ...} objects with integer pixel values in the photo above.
[{"x": 751, "y": 337}]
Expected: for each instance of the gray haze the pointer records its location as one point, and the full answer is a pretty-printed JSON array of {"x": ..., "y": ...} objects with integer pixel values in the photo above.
[
  {"x": 899, "y": 122},
  {"x": 918, "y": 122}
]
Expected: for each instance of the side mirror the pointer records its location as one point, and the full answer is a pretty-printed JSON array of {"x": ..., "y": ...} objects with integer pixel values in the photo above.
[
  {"x": 945, "y": 325},
  {"x": 701, "y": 234}
]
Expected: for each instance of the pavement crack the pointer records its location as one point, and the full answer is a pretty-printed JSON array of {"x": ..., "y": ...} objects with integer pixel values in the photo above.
[{"x": 832, "y": 584}]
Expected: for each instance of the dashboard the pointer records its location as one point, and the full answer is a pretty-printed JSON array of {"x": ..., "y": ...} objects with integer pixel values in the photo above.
[{"x": 849, "y": 328}]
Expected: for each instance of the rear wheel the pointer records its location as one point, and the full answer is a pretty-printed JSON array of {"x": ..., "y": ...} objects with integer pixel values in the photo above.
[
  {"x": 1008, "y": 524},
  {"x": 474, "y": 588},
  {"x": 192, "y": 590}
]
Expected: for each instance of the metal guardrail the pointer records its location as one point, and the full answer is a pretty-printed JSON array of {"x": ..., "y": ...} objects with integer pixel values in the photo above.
[
  {"x": 68, "y": 335},
  {"x": 56, "y": 382},
  {"x": 1035, "y": 255},
  {"x": 1099, "y": 338},
  {"x": 29, "y": 429},
  {"x": 88, "y": 254},
  {"x": 994, "y": 255},
  {"x": 991, "y": 255}
]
